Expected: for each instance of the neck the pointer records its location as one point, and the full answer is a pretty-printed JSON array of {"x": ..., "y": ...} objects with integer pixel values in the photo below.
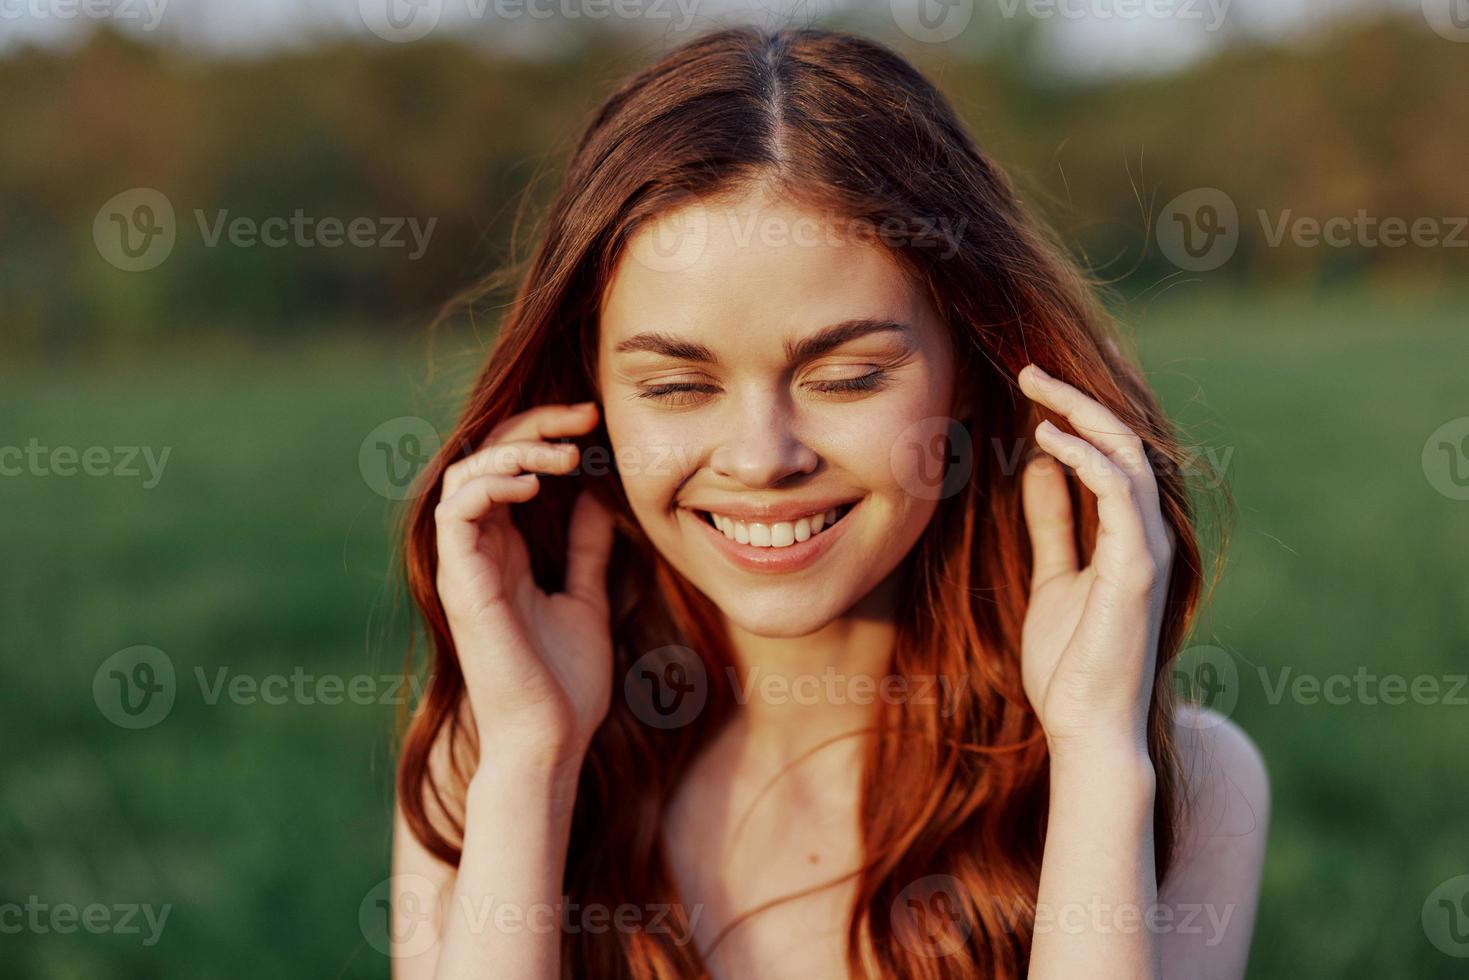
[{"x": 795, "y": 693}]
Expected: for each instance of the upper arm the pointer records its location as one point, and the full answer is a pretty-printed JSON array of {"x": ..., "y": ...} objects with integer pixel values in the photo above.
[
  {"x": 1209, "y": 897},
  {"x": 421, "y": 885}
]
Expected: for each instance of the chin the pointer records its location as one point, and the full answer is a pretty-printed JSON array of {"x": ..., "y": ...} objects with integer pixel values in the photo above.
[{"x": 786, "y": 613}]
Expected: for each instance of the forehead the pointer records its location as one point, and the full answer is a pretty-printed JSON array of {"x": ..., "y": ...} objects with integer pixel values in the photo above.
[{"x": 751, "y": 270}]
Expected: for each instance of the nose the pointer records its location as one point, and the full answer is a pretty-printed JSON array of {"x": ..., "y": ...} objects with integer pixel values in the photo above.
[{"x": 762, "y": 450}]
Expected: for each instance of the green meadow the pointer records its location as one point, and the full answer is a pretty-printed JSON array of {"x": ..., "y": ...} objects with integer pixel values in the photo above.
[{"x": 260, "y": 562}]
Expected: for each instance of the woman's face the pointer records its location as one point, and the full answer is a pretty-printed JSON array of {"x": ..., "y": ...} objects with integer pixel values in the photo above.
[{"x": 771, "y": 365}]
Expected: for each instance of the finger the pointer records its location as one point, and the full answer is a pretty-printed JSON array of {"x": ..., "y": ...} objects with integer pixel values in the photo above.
[
  {"x": 458, "y": 517},
  {"x": 1094, "y": 421},
  {"x": 510, "y": 459},
  {"x": 589, "y": 548},
  {"x": 1048, "y": 518},
  {"x": 1117, "y": 510},
  {"x": 547, "y": 422}
]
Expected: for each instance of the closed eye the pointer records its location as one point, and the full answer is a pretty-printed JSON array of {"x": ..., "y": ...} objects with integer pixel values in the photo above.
[{"x": 872, "y": 381}]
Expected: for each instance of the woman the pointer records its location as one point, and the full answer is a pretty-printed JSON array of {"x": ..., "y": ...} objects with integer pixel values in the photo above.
[{"x": 770, "y": 638}]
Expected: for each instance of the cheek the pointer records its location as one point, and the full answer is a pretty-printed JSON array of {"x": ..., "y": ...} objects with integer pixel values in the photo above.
[
  {"x": 654, "y": 454},
  {"x": 897, "y": 444}
]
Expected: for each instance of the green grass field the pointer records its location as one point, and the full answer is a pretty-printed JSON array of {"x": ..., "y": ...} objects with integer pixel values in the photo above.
[{"x": 262, "y": 550}]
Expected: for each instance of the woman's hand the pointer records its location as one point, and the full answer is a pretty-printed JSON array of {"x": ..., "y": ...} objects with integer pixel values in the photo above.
[
  {"x": 537, "y": 667},
  {"x": 1090, "y": 638}
]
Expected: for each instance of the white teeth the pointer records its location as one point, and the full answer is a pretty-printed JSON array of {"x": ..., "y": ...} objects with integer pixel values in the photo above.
[{"x": 781, "y": 534}]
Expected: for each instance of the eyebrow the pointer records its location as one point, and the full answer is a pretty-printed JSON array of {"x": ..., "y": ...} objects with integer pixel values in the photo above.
[{"x": 824, "y": 340}]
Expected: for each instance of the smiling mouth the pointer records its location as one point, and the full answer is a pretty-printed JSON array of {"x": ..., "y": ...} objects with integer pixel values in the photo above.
[{"x": 778, "y": 534}]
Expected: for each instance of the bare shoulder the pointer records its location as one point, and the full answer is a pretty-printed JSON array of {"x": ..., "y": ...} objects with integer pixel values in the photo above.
[
  {"x": 1224, "y": 816},
  {"x": 1226, "y": 785}
]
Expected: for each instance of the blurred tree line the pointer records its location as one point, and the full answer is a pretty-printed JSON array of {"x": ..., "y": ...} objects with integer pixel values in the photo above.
[{"x": 1369, "y": 119}]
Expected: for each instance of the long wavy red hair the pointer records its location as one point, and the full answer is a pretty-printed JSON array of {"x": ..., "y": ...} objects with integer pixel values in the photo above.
[{"x": 849, "y": 127}]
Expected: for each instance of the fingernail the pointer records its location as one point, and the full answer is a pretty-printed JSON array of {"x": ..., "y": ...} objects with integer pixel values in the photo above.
[{"x": 1040, "y": 372}]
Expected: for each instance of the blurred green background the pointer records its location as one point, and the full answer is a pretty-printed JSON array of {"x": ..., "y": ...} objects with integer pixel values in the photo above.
[{"x": 1316, "y": 375}]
